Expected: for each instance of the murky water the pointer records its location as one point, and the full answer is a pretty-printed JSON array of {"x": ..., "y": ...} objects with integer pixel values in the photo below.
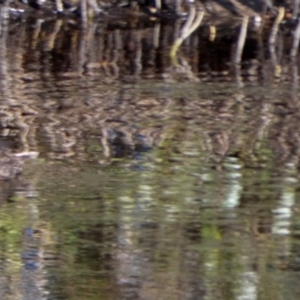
[{"x": 154, "y": 181}]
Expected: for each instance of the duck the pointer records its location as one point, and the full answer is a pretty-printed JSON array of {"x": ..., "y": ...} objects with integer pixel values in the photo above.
[{"x": 11, "y": 164}]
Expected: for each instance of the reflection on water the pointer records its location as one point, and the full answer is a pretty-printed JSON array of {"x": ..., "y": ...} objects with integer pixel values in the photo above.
[{"x": 154, "y": 181}]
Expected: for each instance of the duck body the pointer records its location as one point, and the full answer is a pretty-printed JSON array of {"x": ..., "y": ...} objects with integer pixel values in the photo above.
[{"x": 11, "y": 165}]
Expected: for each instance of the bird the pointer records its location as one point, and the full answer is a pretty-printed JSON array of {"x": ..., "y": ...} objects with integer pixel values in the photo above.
[{"x": 11, "y": 164}]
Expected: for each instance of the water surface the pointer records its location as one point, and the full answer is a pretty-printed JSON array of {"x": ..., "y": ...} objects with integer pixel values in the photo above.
[{"x": 154, "y": 181}]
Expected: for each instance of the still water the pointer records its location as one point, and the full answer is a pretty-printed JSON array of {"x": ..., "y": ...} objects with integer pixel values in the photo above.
[{"x": 154, "y": 181}]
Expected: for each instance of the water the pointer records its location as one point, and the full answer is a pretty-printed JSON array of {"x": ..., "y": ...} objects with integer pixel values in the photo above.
[{"x": 154, "y": 181}]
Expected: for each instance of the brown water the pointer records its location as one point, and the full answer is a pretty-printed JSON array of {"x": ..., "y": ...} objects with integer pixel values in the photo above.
[{"x": 154, "y": 181}]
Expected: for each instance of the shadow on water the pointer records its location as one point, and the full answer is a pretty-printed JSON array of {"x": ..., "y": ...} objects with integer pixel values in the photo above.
[{"x": 154, "y": 181}]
